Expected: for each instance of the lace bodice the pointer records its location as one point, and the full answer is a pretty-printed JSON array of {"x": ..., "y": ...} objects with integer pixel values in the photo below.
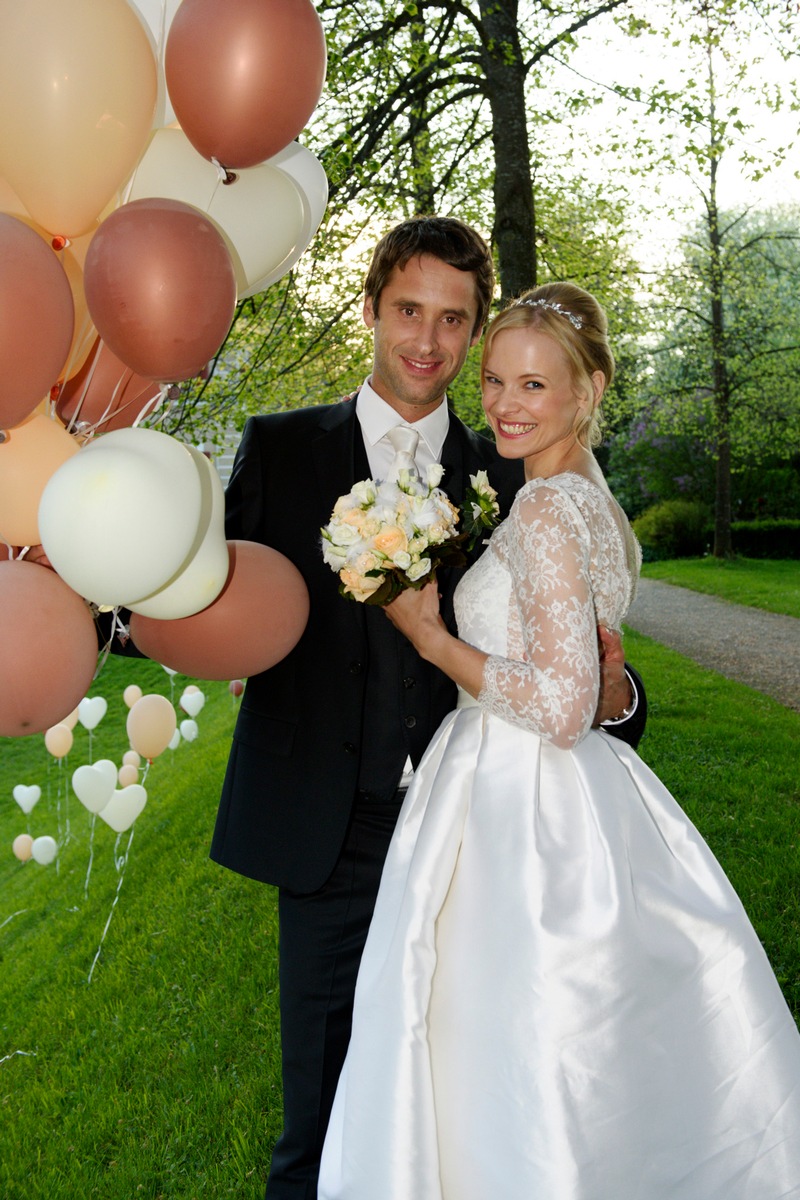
[{"x": 563, "y": 562}]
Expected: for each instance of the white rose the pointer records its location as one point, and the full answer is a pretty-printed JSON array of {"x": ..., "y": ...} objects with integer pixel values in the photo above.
[
  {"x": 402, "y": 560},
  {"x": 418, "y": 569},
  {"x": 365, "y": 492},
  {"x": 434, "y": 475}
]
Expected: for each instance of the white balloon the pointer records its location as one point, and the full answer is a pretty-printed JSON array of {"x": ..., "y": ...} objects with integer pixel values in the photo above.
[
  {"x": 27, "y": 796},
  {"x": 94, "y": 784},
  {"x": 175, "y": 740},
  {"x": 202, "y": 576},
  {"x": 44, "y": 850},
  {"x": 189, "y": 730},
  {"x": 91, "y": 711},
  {"x": 192, "y": 702},
  {"x": 124, "y": 807},
  {"x": 120, "y": 521},
  {"x": 261, "y": 216}
]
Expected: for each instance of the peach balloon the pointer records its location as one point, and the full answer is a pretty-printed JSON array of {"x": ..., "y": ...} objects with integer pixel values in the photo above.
[
  {"x": 29, "y": 457},
  {"x": 58, "y": 740},
  {"x": 160, "y": 287},
  {"x": 130, "y": 758},
  {"x": 78, "y": 87},
  {"x": 48, "y": 649},
  {"x": 244, "y": 78},
  {"x": 104, "y": 393},
  {"x": 131, "y": 694},
  {"x": 36, "y": 319},
  {"x": 127, "y": 775},
  {"x": 71, "y": 719},
  {"x": 258, "y": 617},
  {"x": 23, "y": 847},
  {"x": 151, "y": 724}
]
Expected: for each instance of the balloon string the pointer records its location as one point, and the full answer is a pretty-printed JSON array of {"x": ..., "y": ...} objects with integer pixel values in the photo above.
[
  {"x": 91, "y": 858},
  {"x": 120, "y": 864},
  {"x": 26, "y": 1053},
  {"x": 11, "y": 918},
  {"x": 150, "y": 409}
]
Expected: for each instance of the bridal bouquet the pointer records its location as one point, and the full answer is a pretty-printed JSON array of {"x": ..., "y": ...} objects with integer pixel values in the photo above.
[{"x": 386, "y": 536}]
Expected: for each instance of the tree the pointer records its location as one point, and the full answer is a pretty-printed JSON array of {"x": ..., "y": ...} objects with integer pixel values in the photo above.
[{"x": 709, "y": 292}]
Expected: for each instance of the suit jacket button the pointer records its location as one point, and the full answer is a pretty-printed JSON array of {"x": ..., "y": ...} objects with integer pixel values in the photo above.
[
  {"x": 409, "y": 681},
  {"x": 349, "y": 748},
  {"x": 355, "y": 668},
  {"x": 410, "y": 722}
]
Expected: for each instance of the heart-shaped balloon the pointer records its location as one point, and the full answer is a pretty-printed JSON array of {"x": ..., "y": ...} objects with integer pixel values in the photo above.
[
  {"x": 94, "y": 785},
  {"x": 44, "y": 850},
  {"x": 124, "y": 807},
  {"x": 27, "y": 796},
  {"x": 192, "y": 702},
  {"x": 189, "y": 730},
  {"x": 91, "y": 711}
]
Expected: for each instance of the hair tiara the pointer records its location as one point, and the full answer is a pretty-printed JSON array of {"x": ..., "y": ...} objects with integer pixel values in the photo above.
[{"x": 575, "y": 321}]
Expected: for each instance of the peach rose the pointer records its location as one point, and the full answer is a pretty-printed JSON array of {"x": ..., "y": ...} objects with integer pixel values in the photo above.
[{"x": 391, "y": 541}]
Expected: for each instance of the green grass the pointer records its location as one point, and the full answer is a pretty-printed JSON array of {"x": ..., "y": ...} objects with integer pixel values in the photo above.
[
  {"x": 160, "y": 1078},
  {"x": 772, "y": 584}
]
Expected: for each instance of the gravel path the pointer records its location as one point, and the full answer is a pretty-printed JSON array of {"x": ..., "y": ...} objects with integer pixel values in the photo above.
[{"x": 758, "y": 648}]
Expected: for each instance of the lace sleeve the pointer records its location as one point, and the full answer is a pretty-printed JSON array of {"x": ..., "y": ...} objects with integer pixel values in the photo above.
[{"x": 552, "y": 689}]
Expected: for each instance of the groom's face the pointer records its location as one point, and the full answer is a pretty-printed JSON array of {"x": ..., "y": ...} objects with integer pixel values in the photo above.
[{"x": 424, "y": 326}]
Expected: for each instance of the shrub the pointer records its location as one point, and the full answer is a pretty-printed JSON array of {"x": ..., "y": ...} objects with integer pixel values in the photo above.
[
  {"x": 673, "y": 529},
  {"x": 766, "y": 539}
]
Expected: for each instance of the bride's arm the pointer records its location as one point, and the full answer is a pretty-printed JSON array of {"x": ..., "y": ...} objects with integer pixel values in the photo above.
[{"x": 553, "y": 689}]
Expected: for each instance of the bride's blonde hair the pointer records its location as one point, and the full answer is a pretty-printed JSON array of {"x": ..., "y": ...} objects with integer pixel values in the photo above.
[{"x": 572, "y": 318}]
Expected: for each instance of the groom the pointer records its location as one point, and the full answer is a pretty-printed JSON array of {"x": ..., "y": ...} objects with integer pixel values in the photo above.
[{"x": 316, "y": 771}]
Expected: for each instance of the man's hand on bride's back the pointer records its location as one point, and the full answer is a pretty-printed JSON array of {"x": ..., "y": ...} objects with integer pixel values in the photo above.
[{"x": 615, "y": 689}]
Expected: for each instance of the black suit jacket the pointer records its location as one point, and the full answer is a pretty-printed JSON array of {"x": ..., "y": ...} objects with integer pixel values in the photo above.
[{"x": 293, "y": 768}]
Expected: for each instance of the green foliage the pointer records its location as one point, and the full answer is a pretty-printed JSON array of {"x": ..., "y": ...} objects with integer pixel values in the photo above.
[{"x": 672, "y": 529}]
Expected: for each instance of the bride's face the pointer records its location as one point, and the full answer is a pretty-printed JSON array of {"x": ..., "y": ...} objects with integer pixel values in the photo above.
[{"x": 530, "y": 399}]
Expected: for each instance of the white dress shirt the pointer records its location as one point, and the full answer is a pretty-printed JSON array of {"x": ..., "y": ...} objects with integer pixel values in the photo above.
[{"x": 376, "y": 418}]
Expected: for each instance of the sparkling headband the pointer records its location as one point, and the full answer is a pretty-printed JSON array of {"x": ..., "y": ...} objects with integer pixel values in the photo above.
[{"x": 574, "y": 320}]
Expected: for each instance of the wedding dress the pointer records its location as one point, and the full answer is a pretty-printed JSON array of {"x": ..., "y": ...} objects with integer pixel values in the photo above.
[{"x": 561, "y": 997}]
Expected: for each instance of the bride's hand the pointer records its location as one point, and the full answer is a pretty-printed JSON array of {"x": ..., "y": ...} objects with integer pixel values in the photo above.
[{"x": 416, "y": 614}]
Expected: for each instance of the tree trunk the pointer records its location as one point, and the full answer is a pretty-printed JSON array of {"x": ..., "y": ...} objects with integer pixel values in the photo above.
[{"x": 504, "y": 68}]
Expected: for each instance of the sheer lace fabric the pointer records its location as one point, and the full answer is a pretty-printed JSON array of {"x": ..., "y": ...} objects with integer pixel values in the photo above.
[{"x": 555, "y": 569}]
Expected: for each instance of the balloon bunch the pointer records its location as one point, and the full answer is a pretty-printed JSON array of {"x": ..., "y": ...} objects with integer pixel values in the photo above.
[{"x": 149, "y": 179}]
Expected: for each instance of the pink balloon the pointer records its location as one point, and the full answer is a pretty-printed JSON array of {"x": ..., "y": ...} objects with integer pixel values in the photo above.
[
  {"x": 36, "y": 319},
  {"x": 256, "y": 620},
  {"x": 105, "y": 393},
  {"x": 236, "y": 687},
  {"x": 244, "y": 77},
  {"x": 48, "y": 648},
  {"x": 160, "y": 287}
]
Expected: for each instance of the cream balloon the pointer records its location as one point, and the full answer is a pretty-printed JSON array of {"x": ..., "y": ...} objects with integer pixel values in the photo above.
[
  {"x": 156, "y": 16},
  {"x": 131, "y": 694},
  {"x": 201, "y": 576},
  {"x": 94, "y": 784},
  {"x": 81, "y": 85},
  {"x": 71, "y": 720},
  {"x": 189, "y": 729},
  {"x": 309, "y": 177},
  {"x": 118, "y": 520},
  {"x": 44, "y": 850},
  {"x": 131, "y": 758},
  {"x": 23, "y": 847},
  {"x": 261, "y": 215},
  {"x": 29, "y": 457},
  {"x": 124, "y": 807}
]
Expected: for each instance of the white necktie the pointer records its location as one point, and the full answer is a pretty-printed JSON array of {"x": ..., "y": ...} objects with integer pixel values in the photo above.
[{"x": 404, "y": 441}]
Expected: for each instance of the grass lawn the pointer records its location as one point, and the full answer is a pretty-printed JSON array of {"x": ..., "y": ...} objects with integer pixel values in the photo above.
[
  {"x": 772, "y": 584},
  {"x": 160, "y": 1077}
]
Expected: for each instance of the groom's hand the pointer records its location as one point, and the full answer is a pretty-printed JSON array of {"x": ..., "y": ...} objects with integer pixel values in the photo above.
[{"x": 615, "y": 689}]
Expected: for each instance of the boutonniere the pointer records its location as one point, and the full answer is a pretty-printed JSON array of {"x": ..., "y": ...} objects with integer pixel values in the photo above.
[{"x": 481, "y": 510}]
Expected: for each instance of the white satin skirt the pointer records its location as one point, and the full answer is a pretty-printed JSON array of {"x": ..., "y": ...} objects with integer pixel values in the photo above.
[{"x": 561, "y": 996}]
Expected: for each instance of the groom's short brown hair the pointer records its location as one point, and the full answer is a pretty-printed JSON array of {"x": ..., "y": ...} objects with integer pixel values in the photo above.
[{"x": 445, "y": 238}]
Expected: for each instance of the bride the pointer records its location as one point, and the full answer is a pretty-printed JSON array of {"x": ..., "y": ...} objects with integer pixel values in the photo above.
[{"x": 561, "y": 996}]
